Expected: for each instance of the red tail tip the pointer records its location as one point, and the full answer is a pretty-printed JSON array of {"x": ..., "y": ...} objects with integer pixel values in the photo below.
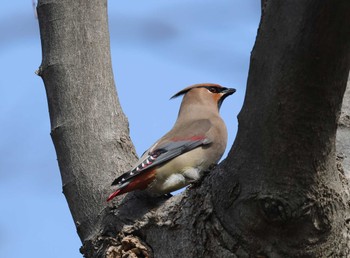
[{"x": 113, "y": 195}]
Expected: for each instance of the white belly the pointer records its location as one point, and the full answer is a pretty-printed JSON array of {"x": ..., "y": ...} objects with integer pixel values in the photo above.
[
  {"x": 175, "y": 181},
  {"x": 179, "y": 172}
]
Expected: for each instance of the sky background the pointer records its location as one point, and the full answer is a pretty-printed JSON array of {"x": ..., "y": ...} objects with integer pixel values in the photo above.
[{"x": 158, "y": 48}]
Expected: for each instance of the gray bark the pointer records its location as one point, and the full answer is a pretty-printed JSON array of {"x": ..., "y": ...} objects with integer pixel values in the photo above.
[
  {"x": 343, "y": 135},
  {"x": 280, "y": 192},
  {"x": 88, "y": 127},
  {"x": 292, "y": 200}
]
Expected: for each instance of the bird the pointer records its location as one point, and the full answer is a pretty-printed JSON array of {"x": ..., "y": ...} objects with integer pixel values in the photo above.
[{"x": 182, "y": 156}]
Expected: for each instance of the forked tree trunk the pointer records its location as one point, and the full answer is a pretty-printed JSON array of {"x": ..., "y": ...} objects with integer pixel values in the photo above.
[{"x": 279, "y": 193}]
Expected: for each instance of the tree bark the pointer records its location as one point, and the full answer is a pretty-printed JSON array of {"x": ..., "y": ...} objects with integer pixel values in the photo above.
[
  {"x": 88, "y": 127},
  {"x": 343, "y": 135},
  {"x": 292, "y": 200},
  {"x": 280, "y": 192}
]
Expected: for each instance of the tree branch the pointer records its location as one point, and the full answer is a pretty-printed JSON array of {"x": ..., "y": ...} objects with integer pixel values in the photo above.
[
  {"x": 343, "y": 135},
  {"x": 278, "y": 193},
  {"x": 283, "y": 158},
  {"x": 88, "y": 127}
]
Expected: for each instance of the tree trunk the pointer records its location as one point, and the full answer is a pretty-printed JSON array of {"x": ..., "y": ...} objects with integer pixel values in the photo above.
[
  {"x": 343, "y": 135},
  {"x": 292, "y": 200},
  {"x": 88, "y": 127},
  {"x": 279, "y": 193}
]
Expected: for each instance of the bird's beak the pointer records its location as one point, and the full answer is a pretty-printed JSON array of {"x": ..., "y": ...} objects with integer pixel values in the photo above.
[
  {"x": 225, "y": 93},
  {"x": 228, "y": 92}
]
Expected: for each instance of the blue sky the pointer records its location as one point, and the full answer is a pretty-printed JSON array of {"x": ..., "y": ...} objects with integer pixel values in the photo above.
[{"x": 158, "y": 48}]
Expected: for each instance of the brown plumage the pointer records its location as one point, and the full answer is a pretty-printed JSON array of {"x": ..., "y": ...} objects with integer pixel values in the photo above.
[{"x": 195, "y": 143}]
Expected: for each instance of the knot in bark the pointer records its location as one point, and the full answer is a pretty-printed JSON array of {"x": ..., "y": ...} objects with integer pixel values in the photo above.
[
  {"x": 275, "y": 210},
  {"x": 130, "y": 247}
]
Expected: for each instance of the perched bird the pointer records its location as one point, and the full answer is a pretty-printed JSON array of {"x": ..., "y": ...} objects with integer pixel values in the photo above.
[{"x": 195, "y": 143}]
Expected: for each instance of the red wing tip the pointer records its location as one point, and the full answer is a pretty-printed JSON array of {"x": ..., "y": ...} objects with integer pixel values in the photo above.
[{"x": 113, "y": 195}]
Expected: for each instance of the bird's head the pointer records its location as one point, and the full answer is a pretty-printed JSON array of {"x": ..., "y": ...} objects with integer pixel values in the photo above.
[{"x": 205, "y": 94}]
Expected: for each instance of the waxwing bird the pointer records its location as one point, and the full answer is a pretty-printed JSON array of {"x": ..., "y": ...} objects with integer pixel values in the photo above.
[{"x": 195, "y": 143}]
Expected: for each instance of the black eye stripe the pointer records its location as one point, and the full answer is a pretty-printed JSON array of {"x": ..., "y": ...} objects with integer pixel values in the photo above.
[{"x": 213, "y": 89}]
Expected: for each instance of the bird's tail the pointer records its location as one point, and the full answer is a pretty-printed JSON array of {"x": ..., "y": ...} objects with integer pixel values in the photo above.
[{"x": 114, "y": 194}]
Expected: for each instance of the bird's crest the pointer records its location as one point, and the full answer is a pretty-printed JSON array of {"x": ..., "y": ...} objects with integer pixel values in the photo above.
[{"x": 201, "y": 85}]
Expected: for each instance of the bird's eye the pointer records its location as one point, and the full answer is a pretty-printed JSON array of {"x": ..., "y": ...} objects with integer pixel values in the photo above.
[{"x": 213, "y": 90}]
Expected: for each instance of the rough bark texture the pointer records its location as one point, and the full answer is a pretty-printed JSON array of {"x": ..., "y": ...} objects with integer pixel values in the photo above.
[
  {"x": 343, "y": 135},
  {"x": 292, "y": 199},
  {"x": 280, "y": 193},
  {"x": 88, "y": 127}
]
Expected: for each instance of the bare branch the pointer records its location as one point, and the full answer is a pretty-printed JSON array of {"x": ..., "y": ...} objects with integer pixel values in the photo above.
[{"x": 88, "y": 127}]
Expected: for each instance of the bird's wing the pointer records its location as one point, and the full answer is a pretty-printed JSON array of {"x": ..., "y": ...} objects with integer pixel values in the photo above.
[{"x": 169, "y": 147}]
